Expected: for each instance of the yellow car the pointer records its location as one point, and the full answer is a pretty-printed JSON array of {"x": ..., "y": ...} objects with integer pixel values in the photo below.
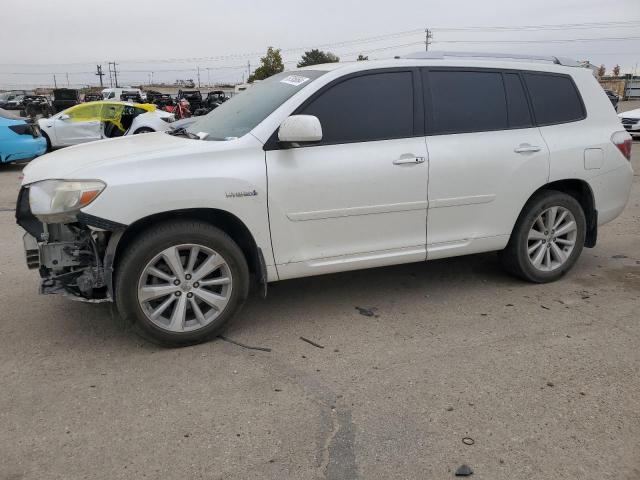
[{"x": 91, "y": 121}]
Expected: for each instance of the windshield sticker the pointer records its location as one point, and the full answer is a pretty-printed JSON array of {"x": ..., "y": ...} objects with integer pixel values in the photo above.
[{"x": 294, "y": 80}]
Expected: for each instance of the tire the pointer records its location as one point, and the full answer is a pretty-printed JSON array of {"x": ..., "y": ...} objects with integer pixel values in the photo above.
[
  {"x": 134, "y": 282},
  {"x": 46, "y": 137},
  {"x": 143, "y": 130},
  {"x": 525, "y": 246}
]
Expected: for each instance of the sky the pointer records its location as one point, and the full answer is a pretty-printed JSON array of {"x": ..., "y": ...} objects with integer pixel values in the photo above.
[{"x": 166, "y": 40}]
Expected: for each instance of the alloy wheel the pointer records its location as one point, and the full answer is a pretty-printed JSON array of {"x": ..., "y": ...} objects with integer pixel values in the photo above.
[
  {"x": 185, "y": 287},
  {"x": 552, "y": 238}
]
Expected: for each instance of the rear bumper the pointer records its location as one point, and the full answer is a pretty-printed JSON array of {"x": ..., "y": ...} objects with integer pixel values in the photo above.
[
  {"x": 611, "y": 192},
  {"x": 23, "y": 149}
]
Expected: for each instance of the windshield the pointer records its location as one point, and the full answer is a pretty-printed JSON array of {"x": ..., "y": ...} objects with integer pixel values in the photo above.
[{"x": 244, "y": 111}]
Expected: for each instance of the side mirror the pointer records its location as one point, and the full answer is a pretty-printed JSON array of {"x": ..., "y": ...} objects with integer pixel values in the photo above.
[
  {"x": 64, "y": 116},
  {"x": 300, "y": 129}
]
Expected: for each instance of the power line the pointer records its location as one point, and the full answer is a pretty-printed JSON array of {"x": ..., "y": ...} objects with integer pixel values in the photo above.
[
  {"x": 373, "y": 39},
  {"x": 565, "y": 26},
  {"x": 557, "y": 40}
]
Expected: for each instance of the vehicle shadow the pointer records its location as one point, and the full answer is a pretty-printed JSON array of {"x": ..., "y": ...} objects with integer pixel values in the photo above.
[
  {"x": 301, "y": 303},
  {"x": 294, "y": 299}
]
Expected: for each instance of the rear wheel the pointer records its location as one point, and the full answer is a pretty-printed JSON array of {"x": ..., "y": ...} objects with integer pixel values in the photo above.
[
  {"x": 143, "y": 130},
  {"x": 181, "y": 282},
  {"x": 547, "y": 239}
]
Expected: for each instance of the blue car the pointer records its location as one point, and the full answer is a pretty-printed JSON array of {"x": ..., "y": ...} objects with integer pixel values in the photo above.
[{"x": 19, "y": 139}]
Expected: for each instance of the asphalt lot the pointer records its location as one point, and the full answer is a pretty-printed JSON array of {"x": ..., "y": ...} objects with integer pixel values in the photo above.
[{"x": 544, "y": 378}]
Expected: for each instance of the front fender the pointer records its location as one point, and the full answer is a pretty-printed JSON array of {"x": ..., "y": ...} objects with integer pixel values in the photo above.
[{"x": 233, "y": 180}]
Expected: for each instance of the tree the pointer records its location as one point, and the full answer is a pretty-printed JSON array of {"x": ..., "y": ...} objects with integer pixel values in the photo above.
[
  {"x": 601, "y": 71},
  {"x": 270, "y": 64},
  {"x": 616, "y": 71},
  {"x": 315, "y": 57},
  {"x": 362, "y": 57}
]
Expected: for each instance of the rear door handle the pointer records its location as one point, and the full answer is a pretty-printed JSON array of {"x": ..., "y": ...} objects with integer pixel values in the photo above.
[
  {"x": 408, "y": 159},
  {"x": 526, "y": 148}
]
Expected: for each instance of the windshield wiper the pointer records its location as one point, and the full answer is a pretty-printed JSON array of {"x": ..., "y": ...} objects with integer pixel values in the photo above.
[{"x": 183, "y": 132}]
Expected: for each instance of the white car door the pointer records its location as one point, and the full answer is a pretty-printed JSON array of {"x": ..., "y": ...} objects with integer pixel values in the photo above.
[
  {"x": 78, "y": 124},
  {"x": 486, "y": 158},
  {"x": 358, "y": 198}
]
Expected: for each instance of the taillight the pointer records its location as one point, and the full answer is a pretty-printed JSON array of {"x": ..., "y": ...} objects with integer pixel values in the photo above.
[
  {"x": 26, "y": 129},
  {"x": 22, "y": 129},
  {"x": 623, "y": 141}
]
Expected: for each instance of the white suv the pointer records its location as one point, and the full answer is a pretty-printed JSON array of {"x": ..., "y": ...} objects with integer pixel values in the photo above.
[{"x": 326, "y": 169}]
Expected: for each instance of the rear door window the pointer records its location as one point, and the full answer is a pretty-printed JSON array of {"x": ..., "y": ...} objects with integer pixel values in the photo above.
[
  {"x": 554, "y": 98},
  {"x": 466, "y": 101}
]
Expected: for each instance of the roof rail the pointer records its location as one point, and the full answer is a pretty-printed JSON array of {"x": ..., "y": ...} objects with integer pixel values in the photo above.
[{"x": 438, "y": 55}]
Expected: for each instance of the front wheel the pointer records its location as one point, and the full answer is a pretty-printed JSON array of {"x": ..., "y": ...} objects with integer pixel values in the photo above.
[
  {"x": 181, "y": 282},
  {"x": 547, "y": 239}
]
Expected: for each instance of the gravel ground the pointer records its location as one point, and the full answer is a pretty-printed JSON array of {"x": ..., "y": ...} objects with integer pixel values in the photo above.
[{"x": 544, "y": 378}]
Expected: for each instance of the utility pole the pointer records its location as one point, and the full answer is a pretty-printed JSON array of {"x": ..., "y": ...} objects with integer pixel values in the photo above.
[
  {"x": 198, "y": 68},
  {"x": 55, "y": 83},
  {"x": 208, "y": 77},
  {"x": 427, "y": 39},
  {"x": 100, "y": 74},
  {"x": 249, "y": 67},
  {"x": 115, "y": 74},
  {"x": 68, "y": 79}
]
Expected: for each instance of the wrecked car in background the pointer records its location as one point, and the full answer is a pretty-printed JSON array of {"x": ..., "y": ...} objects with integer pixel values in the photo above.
[
  {"x": 36, "y": 105},
  {"x": 20, "y": 140},
  {"x": 92, "y": 121},
  {"x": 92, "y": 97},
  {"x": 65, "y": 98}
]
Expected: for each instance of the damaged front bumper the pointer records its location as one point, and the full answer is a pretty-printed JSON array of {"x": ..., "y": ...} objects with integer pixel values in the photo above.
[{"x": 73, "y": 259}]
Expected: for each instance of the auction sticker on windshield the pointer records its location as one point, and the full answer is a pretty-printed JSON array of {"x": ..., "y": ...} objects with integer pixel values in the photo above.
[{"x": 294, "y": 80}]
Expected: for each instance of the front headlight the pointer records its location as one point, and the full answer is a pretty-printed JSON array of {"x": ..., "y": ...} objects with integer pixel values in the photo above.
[{"x": 59, "y": 200}]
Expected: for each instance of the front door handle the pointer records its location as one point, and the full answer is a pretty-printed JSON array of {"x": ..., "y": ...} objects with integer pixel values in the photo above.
[
  {"x": 526, "y": 148},
  {"x": 408, "y": 159}
]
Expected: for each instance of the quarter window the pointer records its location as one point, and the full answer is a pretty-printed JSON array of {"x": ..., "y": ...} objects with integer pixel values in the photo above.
[
  {"x": 370, "y": 107},
  {"x": 554, "y": 98}
]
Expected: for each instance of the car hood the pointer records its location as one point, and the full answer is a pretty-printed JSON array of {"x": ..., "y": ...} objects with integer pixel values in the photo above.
[
  {"x": 630, "y": 114},
  {"x": 65, "y": 162}
]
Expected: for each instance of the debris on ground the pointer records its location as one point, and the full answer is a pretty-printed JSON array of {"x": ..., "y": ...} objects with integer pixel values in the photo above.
[
  {"x": 367, "y": 311},
  {"x": 311, "y": 342},
  {"x": 550, "y": 384},
  {"x": 464, "y": 471},
  {"x": 449, "y": 409},
  {"x": 545, "y": 307},
  {"x": 619, "y": 256},
  {"x": 226, "y": 339},
  {"x": 468, "y": 441}
]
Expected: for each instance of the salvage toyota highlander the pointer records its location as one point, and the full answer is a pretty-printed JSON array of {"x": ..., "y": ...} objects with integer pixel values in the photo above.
[{"x": 313, "y": 171}]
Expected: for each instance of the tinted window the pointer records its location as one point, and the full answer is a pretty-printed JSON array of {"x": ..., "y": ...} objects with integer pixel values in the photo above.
[
  {"x": 554, "y": 98},
  {"x": 467, "y": 101},
  {"x": 366, "y": 108},
  {"x": 517, "y": 106}
]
